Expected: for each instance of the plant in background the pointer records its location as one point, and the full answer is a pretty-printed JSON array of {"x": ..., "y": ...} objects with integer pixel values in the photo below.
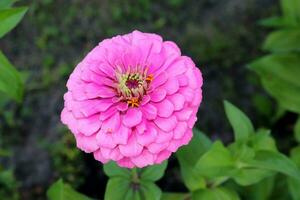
[
  {"x": 10, "y": 79},
  {"x": 280, "y": 69},
  {"x": 133, "y": 100},
  {"x": 11, "y": 85}
]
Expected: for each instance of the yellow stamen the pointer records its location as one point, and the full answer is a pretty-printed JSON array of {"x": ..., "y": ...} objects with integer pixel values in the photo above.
[
  {"x": 150, "y": 77},
  {"x": 134, "y": 102}
]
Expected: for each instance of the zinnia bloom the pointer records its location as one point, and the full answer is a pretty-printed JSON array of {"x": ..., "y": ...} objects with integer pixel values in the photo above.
[{"x": 133, "y": 99}]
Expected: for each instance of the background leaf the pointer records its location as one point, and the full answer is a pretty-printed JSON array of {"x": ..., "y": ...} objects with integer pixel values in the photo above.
[
  {"x": 61, "y": 191},
  {"x": 290, "y": 9},
  {"x": 283, "y": 41},
  {"x": 275, "y": 161},
  {"x": 154, "y": 172},
  {"x": 280, "y": 77},
  {"x": 240, "y": 123},
  {"x": 260, "y": 191},
  {"x": 111, "y": 169},
  {"x": 10, "y": 79},
  {"x": 297, "y": 130},
  {"x": 220, "y": 193},
  {"x": 6, "y": 3},
  {"x": 9, "y": 18},
  {"x": 189, "y": 155},
  {"x": 118, "y": 188},
  {"x": 293, "y": 184},
  {"x": 150, "y": 191},
  {"x": 217, "y": 162}
]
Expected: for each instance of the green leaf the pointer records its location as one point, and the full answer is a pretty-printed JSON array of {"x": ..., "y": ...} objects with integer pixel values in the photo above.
[
  {"x": 6, "y": 3},
  {"x": 154, "y": 172},
  {"x": 283, "y": 41},
  {"x": 280, "y": 77},
  {"x": 111, "y": 169},
  {"x": 293, "y": 184},
  {"x": 10, "y": 79},
  {"x": 9, "y": 18},
  {"x": 240, "y": 123},
  {"x": 261, "y": 190},
  {"x": 149, "y": 191},
  {"x": 297, "y": 130},
  {"x": 189, "y": 155},
  {"x": 275, "y": 161},
  {"x": 274, "y": 22},
  {"x": 246, "y": 177},
  {"x": 291, "y": 11},
  {"x": 118, "y": 188},
  {"x": 217, "y": 162},
  {"x": 220, "y": 193},
  {"x": 263, "y": 140},
  {"x": 174, "y": 196},
  {"x": 61, "y": 191},
  {"x": 241, "y": 151}
]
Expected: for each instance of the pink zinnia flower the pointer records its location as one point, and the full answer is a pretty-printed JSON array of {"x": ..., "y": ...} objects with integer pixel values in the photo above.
[{"x": 133, "y": 99}]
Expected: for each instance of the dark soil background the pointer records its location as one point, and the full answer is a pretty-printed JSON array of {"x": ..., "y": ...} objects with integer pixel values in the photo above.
[{"x": 221, "y": 36}]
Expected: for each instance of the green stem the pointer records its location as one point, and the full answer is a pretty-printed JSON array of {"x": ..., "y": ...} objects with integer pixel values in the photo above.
[{"x": 135, "y": 175}]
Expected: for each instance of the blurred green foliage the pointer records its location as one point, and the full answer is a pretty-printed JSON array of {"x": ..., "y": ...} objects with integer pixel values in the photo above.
[
  {"x": 280, "y": 70},
  {"x": 67, "y": 160}
]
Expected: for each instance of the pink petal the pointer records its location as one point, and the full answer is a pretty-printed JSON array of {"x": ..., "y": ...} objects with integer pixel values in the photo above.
[
  {"x": 105, "y": 152},
  {"x": 180, "y": 130},
  {"x": 98, "y": 156},
  {"x": 166, "y": 124},
  {"x": 132, "y": 117},
  {"x": 90, "y": 125},
  {"x": 197, "y": 98},
  {"x": 91, "y": 107},
  {"x": 187, "y": 137},
  {"x": 121, "y": 135},
  {"x": 111, "y": 124},
  {"x": 145, "y": 100},
  {"x": 192, "y": 121},
  {"x": 122, "y": 106},
  {"x": 115, "y": 154},
  {"x": 158, "y": 95},
  {"x": 177, "y": 100},
  {"x": 108, "y": 113},
  {"x": 87, "y": 143},
  {"x": 178, "y": 67},
  {"x": 132, "y": 148},
  {"x": 188, "y": 93},
  {"x": 141, "y": 127},
  {"x": 105, "y": 139},
  {"x": 93, "y": 90},
  {"x": 125, "y": 162},
  {"x": 148, "y": 136},
  {"x": 144, "y": 159},
  {"x": 163, "y": 137},
  {"x": 149, "y": 111},
  {"x": 193, "y": 80},
  {"x": 157, "y": 147},
  {"x": 171, "y": 86},
  {"x": 159, "y": 80},
  {"x": 162, "y": 156},
  {"x": 68, "y": 119},
  {"x": 182, "y": 80},
  {"x": 184, "y": 114},
  {"x": 165, "y": 108}
]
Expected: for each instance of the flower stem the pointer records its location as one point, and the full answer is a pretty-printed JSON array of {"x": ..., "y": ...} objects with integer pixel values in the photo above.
[{"x": 135, "y": 175}]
